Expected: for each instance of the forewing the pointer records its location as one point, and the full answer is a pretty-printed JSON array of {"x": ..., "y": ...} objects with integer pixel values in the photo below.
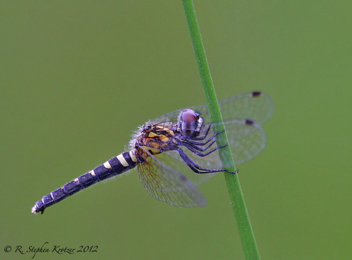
[
  {"x": 253, "y": 105},
  {"x": 167, "y": 184},
  {"x": 256, "y": 106}
]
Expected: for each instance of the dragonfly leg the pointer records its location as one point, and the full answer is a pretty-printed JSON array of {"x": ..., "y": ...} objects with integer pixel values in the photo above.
[
  {"x": 197, "y": 150},
  {"x": 197, "y": 147},
  {"x": 210, "y": 139},
  {"x": 195, "y": 167},
  {"x": 204, "y": 136},
  {"x": 188, "y": 141}
]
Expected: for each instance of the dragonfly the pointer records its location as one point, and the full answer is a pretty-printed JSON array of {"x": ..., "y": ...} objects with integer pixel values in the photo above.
[{"x": 178, "y": 151}]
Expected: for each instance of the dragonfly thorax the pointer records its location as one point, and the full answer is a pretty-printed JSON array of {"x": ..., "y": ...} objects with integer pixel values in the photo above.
[
  {"x": 155, "y": 138},
  {"x": 189, "y": 123}
]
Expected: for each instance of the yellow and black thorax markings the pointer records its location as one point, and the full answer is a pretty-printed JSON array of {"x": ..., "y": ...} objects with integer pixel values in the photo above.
[{"x": 156, "y": 139}]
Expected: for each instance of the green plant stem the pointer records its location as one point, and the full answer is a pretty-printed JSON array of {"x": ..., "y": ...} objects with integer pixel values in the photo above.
[{"x": 233, "y": 184}]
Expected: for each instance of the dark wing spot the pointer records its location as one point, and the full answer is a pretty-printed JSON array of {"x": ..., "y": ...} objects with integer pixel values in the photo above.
[
  {"x": 249, "y": 122},
  {"x": 256, "y": 94}
]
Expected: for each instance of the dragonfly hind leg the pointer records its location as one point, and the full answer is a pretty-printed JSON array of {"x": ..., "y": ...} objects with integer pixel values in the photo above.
[{"x": 196, "y": 168}]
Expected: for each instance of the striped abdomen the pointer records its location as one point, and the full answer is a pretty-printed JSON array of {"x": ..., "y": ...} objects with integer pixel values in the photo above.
[{"x": 113, "y": 167}]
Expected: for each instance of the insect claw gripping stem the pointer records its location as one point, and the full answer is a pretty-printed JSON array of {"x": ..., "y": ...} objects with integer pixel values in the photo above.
[{"x": 232, "y": 172}]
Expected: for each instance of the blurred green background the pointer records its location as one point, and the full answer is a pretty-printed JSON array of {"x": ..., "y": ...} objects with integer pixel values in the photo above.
[{"x": 77, "y": 77}]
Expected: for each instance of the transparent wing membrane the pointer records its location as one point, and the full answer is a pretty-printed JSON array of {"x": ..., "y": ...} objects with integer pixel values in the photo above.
[
  {"x": 249, "y": 105},
  {"x": 167, "y": 184},
  {"x": 174, "y": 161}
]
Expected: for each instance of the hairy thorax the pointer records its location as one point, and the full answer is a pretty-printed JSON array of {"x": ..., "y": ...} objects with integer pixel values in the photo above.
[{"x": 156, "y": 139}]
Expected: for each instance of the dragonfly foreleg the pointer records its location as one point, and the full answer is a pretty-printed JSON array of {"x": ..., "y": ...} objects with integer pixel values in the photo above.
[{"x": 204, "y": 136}]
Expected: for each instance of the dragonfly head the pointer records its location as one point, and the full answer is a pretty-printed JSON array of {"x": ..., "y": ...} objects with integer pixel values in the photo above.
[{"x": 189, "y": 123}]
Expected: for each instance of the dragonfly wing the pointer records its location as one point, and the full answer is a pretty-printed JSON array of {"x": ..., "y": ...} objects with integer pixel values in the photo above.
[
  {"x": 166, "y": 184},
  {"x": 246, "y": 138},
  {"x": 173, "y": 160},
  {"x": 254, "y": 105}
]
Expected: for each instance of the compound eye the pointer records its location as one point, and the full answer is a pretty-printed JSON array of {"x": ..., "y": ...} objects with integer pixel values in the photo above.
[
  {"x": 188, "y": 122},
  {"x": 189, "y": 117}
]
